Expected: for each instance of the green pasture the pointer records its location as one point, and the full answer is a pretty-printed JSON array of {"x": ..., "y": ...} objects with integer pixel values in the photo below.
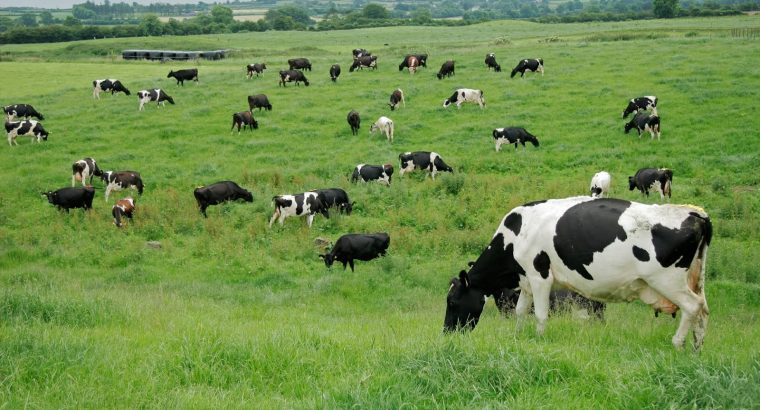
[{"x": 229, "y": 313}]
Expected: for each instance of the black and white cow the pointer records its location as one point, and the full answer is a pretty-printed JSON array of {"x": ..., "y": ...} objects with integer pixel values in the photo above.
[
  {"x": 397, "y": 99},
  {"x": 259, "y": 101},
  {"x": 513, "y": 135},
  {"x": 337, "y": 198},
  {"x": 158, "y": 95},
  {"x": 21, "y": 111},
  {"x": 421, "y": 59},
  {"x": 447, "y": 70},
  {"x": 29, "y": 128},
  {"x": 608, "y": 250},
  {"x": 357, "y": 246},
  {"x": 120, "y": 180},
  {"x": 287, "y": 76},
  {"x": 334, "y": 72},
  {"x": 363, "y": 62},
  {"x": 429, "y": 161},
  {"x": 600, "y": 184},
  {"x": 182, "y": 75},
  {"x": 530, "y": 64},
  {"x": 354, "y": 121},
  {"x": 299, "y": 64},
  {"x": 257, "y": 68},
  {"x": 648, "y": 102},
  {"x": 644, "y": 122},
  {"x": 307, "y": 203},
  {"x": 106, "y": 85},
  {"x": 367, "y": 173},
  {"x": 67, "y": 198},
  {"x": 122, "y": 208},
  {"x": 385, "y": 126},
  {"x": 244, "y": 119},
  {"x": 358, "y": 52},
  {"x": 463, "y": 95},
  {"x": 491, "y": 62},
  {"x": 218, "y": 193},
  {"x": 83, "y": 169},
  {"x": 655, "y": 179}
]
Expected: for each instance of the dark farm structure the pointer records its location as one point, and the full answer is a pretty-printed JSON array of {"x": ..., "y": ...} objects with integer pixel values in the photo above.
[{"x": 167, "y": 55}]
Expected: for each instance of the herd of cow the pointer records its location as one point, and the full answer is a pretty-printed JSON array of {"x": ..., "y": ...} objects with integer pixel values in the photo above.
[{"x": 603, "y": 249}]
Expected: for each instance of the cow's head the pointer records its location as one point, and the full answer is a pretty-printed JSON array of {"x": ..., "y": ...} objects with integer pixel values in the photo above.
[
  {"x": 328, "y": 258},
  {"x": 497, "y": 68},
  {"x": 171, "y": 73},
  {"x": 264, "y": 66},
  {"x": 631, "y": 183},
  {"x": 629, "y": 126},
  {"x": 51, "y": 196},
  {"x": 596, "y": 191},
  {"x": 170, "y": 99},
  {"x": 247, "y": 196},
  {"x": 43, "y": 135},
  {"x": 464, "y": 305},
  {"x": 347, "y": 207},
  {"x": 388, "y": 168},
  {"x": 254, "y": 123}
]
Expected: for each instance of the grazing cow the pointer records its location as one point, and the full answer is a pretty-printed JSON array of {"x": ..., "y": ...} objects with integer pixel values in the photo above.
[
  {"x": 412, "y": 63},
  {"x": 123, "y": 207},
  {"x": 397, "y": 98},
  {"x": 645, "y": 122},
  {"x": 67, "y": 198},
  {"x": 112, "y": 85},
  {"x": 530, "y": 64},
  {"x": 158, "y": 95},
  {"x": 357, "y": 246},
  {"x": 358, "y": 52},
  {"x": 658, "y": 180},
  {"x": 648, "y": 102},
  {"x": 219, "y": 192},
  {"x": 354, "y": 121},
  {"x": 83, "y": 169},
  {"x": 380, "y": 173},
  {"x": 600, "y": 184},
  {"x": 463, "y": 95},
  {"x": 429, "y": 161},
  {"x": 447, "y": 70},
  {"x": 491, "y": 62},
  {"x": 120, "y": 180},
  {"x": 299, "y": 64},
  {"x": 307, "y": 203},
  {"x": 21, "y": 111},
  {"x": 334, "y": 72},
  {"x": 296, "y": 76},
  {"x": 605, "y": 249},
  {"x": 336, "y": 198},
  {"x": 28, "y": 128},
  {"x": 182, "y": 75},
  {"x": 243, "y": 119},
  {"x": 363, "y": 62},
  {"x": 385, "y": 125},
  {"x": 259, "y": 101},
  {"x": 421, "y": 58},
  {"x": 513, "y": 135},
  {"x": 255, "y": 68}
]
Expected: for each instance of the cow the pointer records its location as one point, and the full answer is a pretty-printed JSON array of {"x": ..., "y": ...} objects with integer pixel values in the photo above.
[
  {"x": 412, "y": 63},
  {"x": 123, "y": 207},
  {"x": 357, "y": 246},
  {"x": 600, "y": 184},
  {"x": 447, "y": 70},
  {"x": 648, "y": 102},
  {"x": 491, "y": 62},
  {"x": 421, "y": 58},
  {"x": 158, "y": 95},
  {"x": 106, "y": 85},
  {"x": 463, "y": 95},
  {"x": 358, "y": 52},
  {"x": 363, "y": 62},
  {"x": 307, "y": 203},
  {"x": 83, "y": 169},
  {"x": 296, "y": 76},
  {"x": 182, "y": 75},
  {"x": 68, "y": 198},
  {"x": 29, "y": 128},
  {"x": 530, "y": 64},
  {"x": 120, "y": 180},
  {"x": 606, "y": 249},
  {"x": 334, "y": 72},
  {"x": 336, "y": 198},
  {"x": 379, "y": 173},
  {"x": 219, "y": 192},
  {"x": 243, "y": 119},
  {"x": 429, "y": 161},
  {"x": 646, "y": 122},
  {"x": 25, "y": 111},
  {"x": 513, "y": 135},
  {"x": 385, "y": 125},
  {"x": 354, "y": 121},
  {"x": 299, "y": 64},
  {"x": 259, "y": 101},
  {"x": 396, "y": 99},
  {"x": 257, "y": 68},
  {"x": 658, "y": 180}
]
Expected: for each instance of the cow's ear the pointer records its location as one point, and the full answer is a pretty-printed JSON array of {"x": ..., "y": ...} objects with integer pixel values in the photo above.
[{"x": 464, "y": 278}]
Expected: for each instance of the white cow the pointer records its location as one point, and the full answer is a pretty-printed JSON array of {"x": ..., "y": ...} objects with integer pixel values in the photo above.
[
  {"x": 600, "y": 184},
  {"x": 385, "y": 125},
  {"x": 463, "y": 95}
]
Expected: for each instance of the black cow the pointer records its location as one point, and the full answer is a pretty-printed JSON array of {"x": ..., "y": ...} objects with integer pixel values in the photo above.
[
  {"x": 334, "y": 72},
  {"x": 447, "y": 70},
  {"x": 513, "y": 135},
  {"x": 120, "y": 180},
  {"x": 396, "y": 99},
  {"x": 182, "y": 75},
  {"x": 112, "y": 85},
  {"x": 259, "y": 101},
  {"x": 255, "y": 68},
  {"x": 491, "y": 62},
  {"x": 354, "y": 121},
  {"x": 296, "y": 76},
  {"x": 358, "y": 52},
  {"x": 29, "y": 128},
  {"x": 366, "y": 173},
  {"x": 123, "y": 208},
  {"x": 644, "y": 121},
  {"x": 158, "y": 95},
  {"x": 529, "y": 64},
  {"x": 429, "y": 161},
  {"x": 219, "y": 192},
  {"x": 243, "y": 119},
  {"x": 363, "y": 62},
  {"x": 299, "y": 63},
  {"x": 658, "y": 180},
  {"x": 421, "y": 58},
  {"x": 21, "y": 111},
  {"x": 84, "y": 168},
  {"x": 337, "y": 198},
  {"x": 357, "y": 246},
  {"x": 67, "y": 198},
  {"x": 648, "y": 102}
]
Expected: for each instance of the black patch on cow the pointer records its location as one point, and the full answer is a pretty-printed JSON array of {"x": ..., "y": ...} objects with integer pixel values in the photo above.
[
  {"x": 534, "y": 203},
  {"x": 496, "y": 268},
  {"x": 300, "y": 200},
  {"x": 677, "y": 246},
  {"x": 641, "y": 254},
  {"x": 588, "y": 228},
  {"x": 513, "y": 222},
  {"x": 541, "y": 263}
]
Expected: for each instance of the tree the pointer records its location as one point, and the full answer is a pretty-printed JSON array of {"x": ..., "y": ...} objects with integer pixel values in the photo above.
[
  {"x": 221, "y": 15},
  {"x": 47, "y": 18},
  {"x": 71, "y": 21},
  {"x": 421, "y": 16},
  {"x": 665, "y": 9},
  {"x": 82, "y": 13},
  {"x": 28, "y": 20},
  {"x": 297, "y": 15},
  {"x": 374, "y": 11},
  {"x": 151, "y": 25}
]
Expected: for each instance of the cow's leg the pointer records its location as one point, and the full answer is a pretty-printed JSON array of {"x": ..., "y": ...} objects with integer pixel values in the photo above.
[
  {"x": 498, "y": 145},
  {"x": 309, "y": 219},
  {"x": 691, "y": 305},
  {"x": 541, "y": 290},
  {"x": 524, "y": 302},
  {"x": 73, "y": 180},
  {"x": 351, "y": 263},
  {"x": 108, "y": 192},
  {"x": 274, "y": 216}
]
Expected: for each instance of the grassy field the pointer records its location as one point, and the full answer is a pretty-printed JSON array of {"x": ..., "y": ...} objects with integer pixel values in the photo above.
[{"x": 231, "y": 314}]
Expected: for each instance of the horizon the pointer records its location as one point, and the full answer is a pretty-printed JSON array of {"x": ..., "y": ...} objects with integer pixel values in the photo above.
[{"x": 67, "y": 4}]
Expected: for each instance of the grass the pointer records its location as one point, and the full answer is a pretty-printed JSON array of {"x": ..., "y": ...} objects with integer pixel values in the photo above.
[{"x": 229, "y": 313}]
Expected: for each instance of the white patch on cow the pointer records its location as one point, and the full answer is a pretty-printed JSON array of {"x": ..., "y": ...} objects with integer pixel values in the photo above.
[{"x": 433, "y": 169}]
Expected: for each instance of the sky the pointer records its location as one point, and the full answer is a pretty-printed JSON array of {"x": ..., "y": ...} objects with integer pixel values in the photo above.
[{"x": 65, "y": 4}]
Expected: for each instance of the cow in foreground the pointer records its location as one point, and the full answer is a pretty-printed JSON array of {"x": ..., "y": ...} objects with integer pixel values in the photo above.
[
  {"x": 635, "y": 105},
  {"x": 307, "y": 203},
  {"x": 123, "y": 208},
  {"x": 158, "y": 95},
  {"x": 513, "y": 135},
  {"x": 397, "y": 99},
  {"x": 112, "y": 85},
  {"x": 120, "y": 180},
  {"x": 447, "y": 70},
  {"x": 491, "y": 62},
  {"x": 67, "y": 198},
  {"x": 363, "y": 62},
  {"x": 218, "y": 193},
  {"x": 357, "y": 246},
  {"x": 244, "y": 119},
  {"x": 299, "y": 64},
  {"x": 535, "y": 65},
  {"x": 428, "y": 161},
  {"x": 289, "y": 76},
  {"x": 658, "y": 180},
  {"x": 464, "y": 95},
  {"x": 336, "y": 198},
  {"x": 334, "y": 72},
  {"x": 608, "y": 250},
  {"x": 29, "y": 128},
  {"x": 182, "y": 75},
  {"x": 367, "y": 173},
  {"x": 21, "y": 111},
  {"x": 354, "y": 121},
  {"x": 385, "y": 125},
  {"x": 259, "y": 101},
  {"x": 257, "y": 69},
  {"x": 600, "y": 184},
  {"x": 83, "y": 169},
  {"x": 644, "y": 122}
]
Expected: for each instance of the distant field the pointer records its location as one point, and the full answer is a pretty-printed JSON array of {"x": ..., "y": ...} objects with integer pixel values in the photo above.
[{"x": 231, "y": 314}]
